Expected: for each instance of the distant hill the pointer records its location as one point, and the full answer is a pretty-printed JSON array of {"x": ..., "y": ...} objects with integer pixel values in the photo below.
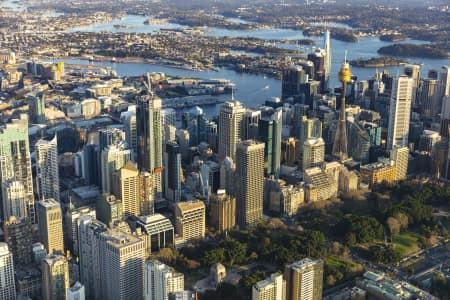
[{"x": 411, "y": 50}]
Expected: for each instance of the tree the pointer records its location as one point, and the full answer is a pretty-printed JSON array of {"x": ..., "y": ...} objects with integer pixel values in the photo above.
[
  {"x": 213, "y": 256},
  {"x": 393, "y": 225},
  {"x": 235, "y": 252},
  {"x": 331, "y": 280},
  {"x": 402, "y": 220}
]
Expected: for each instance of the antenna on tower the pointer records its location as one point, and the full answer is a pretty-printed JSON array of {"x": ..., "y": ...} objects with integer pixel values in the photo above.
[{"x": 345, "y": 57}]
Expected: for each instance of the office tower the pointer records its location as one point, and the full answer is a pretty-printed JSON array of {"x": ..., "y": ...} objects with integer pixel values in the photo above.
[
  {"x": 320, "y": 185},
  {"x": 309, "y": 128},
  {"x": 250, "y": 124},
  {"x": 36, "y": 107},
  {"x": 195, "y": 122},
  {"x": 313, "y": 153},
  {"x": 122, "y": 263},
  {"x": 7, "y": 284},
  {"x": 184, "y": 295},
  {"x": 71, "y": 225},
  {"x": 210, "y": 177},
  {"x": 327, "y": 59},
  {"x": 108, "y": 209},
  {"x": 172, "y": 174},
  {"x": 55, "y": 277},
  {"x": 160, "y": 231},
  {"x": 249, "y": 176},
  {"x": 91, "y": 165},
  {"x": 149, "y": 143},
  {"x": 318, "y": 59},
  {"x": 289, "y": 150},
  {"x": 76, "y": 292},
  {"x": 400, "y": 156},
  {"x": 230, "y": 122},
  {"x": 304, "y": 280},
  {"x": 399, "y": 112},
  {"x": 271, "y": 288},
  {"x": 47, "y": 172},
  {"x": 112, "y": 136},
  {"x": 428, "y": 139},
  {"x": 222, "y": 209},
  {"x": 428, "y": 98},
  {"x": 135, "y": 189},
  {"x": 113, "y": 158},
  {"x": 444, "y": 84},
  {"x": 129, "y": 121},
  {"x": 168, "y": 116},
  {"x": 359, "y": 139},
  {"x": 49, "y": 217},
  {"x": 190, "y": 220},
  {"x": 161, "y": 280},
  {"x": 270, "y": 133},
  {"x": 293, "y": 78},
  {"x": 340, "y": 139},
  {"x": 14, "y": 199},
  {"x": 89, "y": 231},
  {"x": 15, "y": 165},
  {"x": 413, "y": 72},
  {"x": 291, "y": 198},
  {"x": 19, "y": 238},
  {"x": 378, "y": 172}
]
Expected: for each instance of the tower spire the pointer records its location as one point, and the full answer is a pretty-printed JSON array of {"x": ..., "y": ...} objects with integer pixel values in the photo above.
[
  {"x": 327, "y": 67},
  {"x": 340, "y": 139}
]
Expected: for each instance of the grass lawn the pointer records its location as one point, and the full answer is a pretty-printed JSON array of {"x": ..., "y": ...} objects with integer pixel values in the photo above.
[
  {"x": 344, "y": 266},
  {"x": 406, "y": 243}
]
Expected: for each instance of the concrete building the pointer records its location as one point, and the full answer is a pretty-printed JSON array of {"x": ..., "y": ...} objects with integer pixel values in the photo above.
[
  {"x": 161, "y": 280},
  {"x": 400, "y": 157},
  {"x": 7, "y": 284},
  {"x": 290, "y": 150},
  {"x": 190, "y": 220},
  {"x": 135, "y": 189},
  {"x": 160, "y": 231},
  {"x": 399, "y": 112},
  {"x": 14, "y": 199},
  {"x": 292, "y": 197},
  {"x": 109, "y": 209},
  {"x": 172, "y": 174},
  {"x": 428, "y": 139},
  {"x": 15, "y": 165},
  {"x": 304, "y": 280},
  {"x": 428, "y": 97},
  {"x": 50, "y": 224},
  {"x": 71, "y": 225},
  {"x": 76, "y": 292},
  {"x": 230, "y": 119},
  {"x": 376, "y": 173},
  {"x": 222, "y": 209},
  {"x": 271, "y": 288},
  {"x": 320, "y": 186},
  {"x": 313, "y": 153},
  {"x": 36, "y": 107},
  {"x": 47, "y": 172},
  {"x": 19, "y": 239},
  {"x": 249, "y": 185},
  {"x": 270, "y": 129},
  {"x": 55, "y": 277}
]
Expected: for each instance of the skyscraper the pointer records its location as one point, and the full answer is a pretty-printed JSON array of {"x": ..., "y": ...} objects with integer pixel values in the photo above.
[
  {"x": 113, "y": 158},
  {"x": 327, "y": 59},
  {"x": 399, "y": 112},
  {"x": 190, "y": 220},
  {"x": 444, "y": 84},
  {"x": 49, "y": 217},
  {"x": 172, "y": 174},
  {"x": 161, "y": 280},
  {"x": 55, "y": 277},
  {"x": 36, "y": 104},
  {"x": 76, "y": 292},
  {"x": 149, "y": 141},
  {"x": 270, "y": 133},
  {"x": 304, "y": 280},
  {"x": 249, "y": 177},
  {"x": 222, "y": 211},
  {"x": 340, "y": 139},
  {"x": 313, "y": 153},
  {"x": 400, "y": 156},
  {"x": 230, "y": 119},
  {"x": 7, "y": 284},
  {"x": 271, "y": 288},
  {"x": 428, "y": 98},
  {"x": 309, "y": 128},
  {"x": 135, "y": 189},
  {"x": 47, "y": 172},
  {"x": 15, "y": 164},
  {"x": 19, "y": 238},
  {"x": 293, "y": 78}
]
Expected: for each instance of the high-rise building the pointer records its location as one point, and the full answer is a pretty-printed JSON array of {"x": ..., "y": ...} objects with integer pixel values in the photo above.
[
  {"x": 112, "y": 159},
  {"x": 378, "y": 172},
  {"x": 55, "y": 277},
  {"x": 172, "y": 174},
  {"x": 249, "y": 185},
  {"x": 91, "y": 165},
  {"x": 399, "y": 112},
  {"x": 327, "y": 59},
  {"x": 289, "y": 150},
  {"x": 190, "y": 220},
  {"x": 413, "y": 72},
  {"x": 36, "y": 104},
  {"x": 230, "y": 119},
  {"x": 14, "y": 199},
  {"x": 129, "y": 121},
  {"x": 76, "y": 292},
  {"x": 250, "y": 123},
  {"x": 112, "y": 136},
  {"x": 270, "y": 133},
  {"x": 149, "y": 142},
  {"x": 428, "y": 98},
  {"x": 135, "y": 189},
  {"x": 340, "y": 139},
  {"x": 71, "y": 225},
  {"x": 309, "y": 128},
  {"x": 293, "y": 78},
  {"x": 160, "y": 231},
  {"x": 15, "y": 165},
  {"x": 7, "y": 284},
  {"x": 108, "y": 209},
  {"x": 161, "y": 280},
  {"x": 313, "y": 153},
  {"x": 304, "y": 280},
  {"x": 444, "y": 85},
  {"x": 320, "y": 185},
  {"x": 271, "y": 288},
  {"x": 19, "y": 238},
  {"x": 222, "y": 208},
  {"x": 400, "y": 156},
  {"x": 50, "y": 224},
  {"x": 47, "y": 172}
]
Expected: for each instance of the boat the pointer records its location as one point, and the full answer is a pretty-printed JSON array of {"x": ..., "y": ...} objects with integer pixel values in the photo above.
[{"x": 266, "y": 87}]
